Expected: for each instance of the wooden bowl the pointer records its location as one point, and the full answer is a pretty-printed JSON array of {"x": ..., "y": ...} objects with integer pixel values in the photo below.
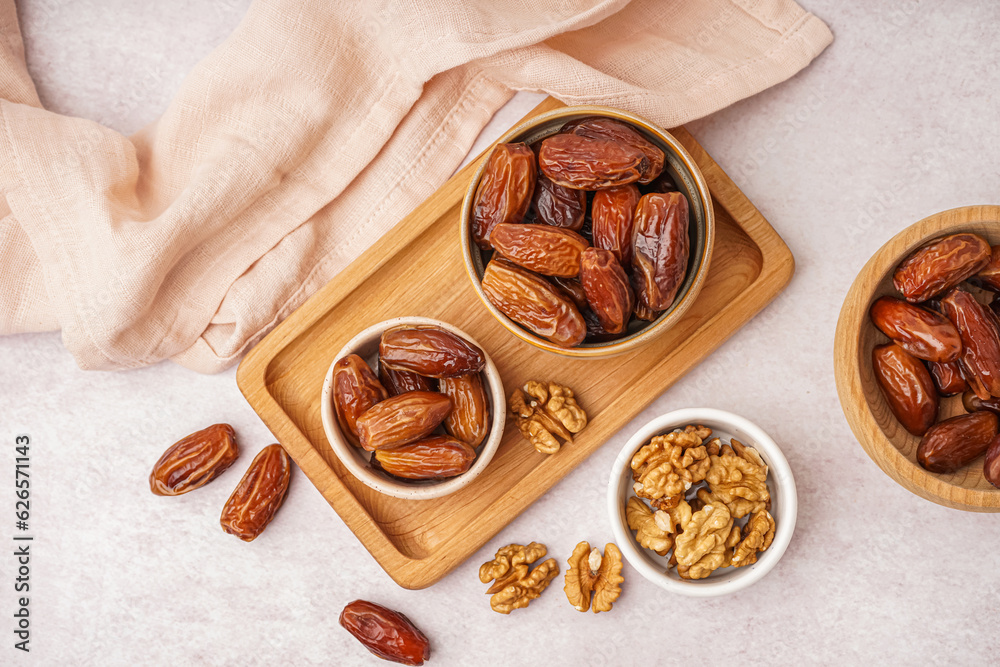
[
  {"x": 701, "y": 230},
  {"x": 874, "y": 425}
]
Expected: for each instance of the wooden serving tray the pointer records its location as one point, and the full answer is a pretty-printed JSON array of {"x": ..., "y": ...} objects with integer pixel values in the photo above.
[{"x": 417, "y": 269}]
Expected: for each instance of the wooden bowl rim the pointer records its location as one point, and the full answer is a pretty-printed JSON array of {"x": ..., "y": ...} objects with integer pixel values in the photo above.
[{"x": 847, "y": 372}]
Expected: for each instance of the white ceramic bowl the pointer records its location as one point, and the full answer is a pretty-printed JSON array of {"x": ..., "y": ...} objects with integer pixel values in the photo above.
[
  {"x": 356, "y": 460},
  {"x": 784, "y": 503}
]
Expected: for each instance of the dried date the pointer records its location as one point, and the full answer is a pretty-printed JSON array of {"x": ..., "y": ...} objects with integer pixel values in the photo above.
[
  {"x": 573, "y": 288},
  {"x": 401, "y": 419},
  {"x": 989, "y": 276},
  {"x": 429, "y": 351},
  {"x": 991, "y": 466},
  {"x": 940, "y": 265},
  {"x": 948, "y": 377},
  {"x": 355, "y": 389},
  {"x": 435, "y": 457},
  {"x": 955, "y": 442},
  {"x": 923, "y": 333},
  {"x": 550, "y": 251},
  {"x": 599, "y": 127},
  {"x": 194, "y": 461},
  {"x": 534, "y": 303},
  {"x": 612, "y": 213},
  {"x": 660, "y": 247},
  {"x": 581, "y": 163},
  {"x": 973, "y": 403},
  {"x": 386, "y": 633},
  {"x": 607, "y": 288},
  {"x": 469, "y": 419},
  {"x": 505, "y": 190},
  {"x": 258, "y": 495},
  {"x": 907, "y": 386},
  {"x": 400, "y": 382},
  {"x": 643, "y": 313},
  {"x": 558, "y": 205},
  {"x": 980, "y": 357}
]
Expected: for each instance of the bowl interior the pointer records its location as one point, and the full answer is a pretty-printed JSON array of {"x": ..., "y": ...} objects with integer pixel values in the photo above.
[
  {"x": 686, "y": 176},
  {"x": 358, "y": 461},
  {"x": 781, "y": 483},
  {"x": 969, "y": 478}
]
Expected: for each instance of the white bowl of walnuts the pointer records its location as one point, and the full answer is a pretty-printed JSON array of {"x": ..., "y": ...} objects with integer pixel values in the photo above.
[{"x": 702, "y": 502}]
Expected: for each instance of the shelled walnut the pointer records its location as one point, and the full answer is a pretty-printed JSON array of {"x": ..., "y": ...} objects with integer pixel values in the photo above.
[
  {"x": 546, "y": 412},
  {"x": 669, "y": 465},
  {"x": 697, "y": 524},
  {"x": 513, "y": 586},
  {"x": 589, "y": 572}
]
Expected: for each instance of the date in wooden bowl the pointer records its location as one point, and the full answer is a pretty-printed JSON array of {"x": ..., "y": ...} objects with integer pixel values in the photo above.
[{"x": 876, "y": 428}]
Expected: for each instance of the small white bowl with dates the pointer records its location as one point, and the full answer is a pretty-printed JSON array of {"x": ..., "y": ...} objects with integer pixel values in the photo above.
[{"x": 727, "y": 521}]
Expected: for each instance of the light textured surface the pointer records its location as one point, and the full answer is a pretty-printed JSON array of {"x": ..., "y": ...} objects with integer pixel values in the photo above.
[{"x": 894, "y": 122}]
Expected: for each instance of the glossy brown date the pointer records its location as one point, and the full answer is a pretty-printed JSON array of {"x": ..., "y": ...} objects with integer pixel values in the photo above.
[
  {"x": 955, "y": 442},
  {"x": 558, "y": 205},
  {"x": 612, "y": 213},
  {"x": 660, "y": 248},
  {"x": 948, "y": 377},
  {"x": 505, "y": 190},
  {"x": 401, "y": 419},
  {"x": 435, "y": 457},
  {"x": 258, "y": 495},
  {"x": 598, "y": 127},
  {"x": 989, "y": 276},
  {"x": 923, "y": 333},
  {"x": 386, "y": 633},
  {"x": 581, "y": 163},
  {"x": 973, "y": 403},
  {"x": 550, "y": 251},
  {"x": 595, "y": 330},
  {"x": 607, "y": 288},
  {"x": 194, "y": 461},
  {"x": 355, "y": 389},
  {"x": 991, "y": 466},
  {"x": 573, "y": 288},
  {"x": 469, "y": 419},
  {"x": 907, "y": 386},
  {"x": 980, "y": 356},
  {"x": 644, "y": 313},
  {"x": 534, "y": 303},
  {"x": 429, "y": 351},
  {"x": 400, "y": 382},
  {"x": 940, "y": 265}
]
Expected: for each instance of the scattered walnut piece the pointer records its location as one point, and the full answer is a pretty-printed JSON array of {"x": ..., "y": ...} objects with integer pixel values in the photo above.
[
  {"x": 545, "y": 410},
  {"x": 589, "y": 572},
  {"x": 738, "y": 477},
  {"x": 701, "y": 546},
  {"x": 756, "y": 536},
  {"x": 669, "y": 465},
  {"x": 653, "y": 530},
  {"x": 513, "y": 586}
]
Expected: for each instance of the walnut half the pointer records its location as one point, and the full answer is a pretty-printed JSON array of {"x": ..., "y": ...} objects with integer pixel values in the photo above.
[
  {"x": 546, "y": 412},
  {"x": 513, "y": 586},
  {"x": 589, "y": 572}
]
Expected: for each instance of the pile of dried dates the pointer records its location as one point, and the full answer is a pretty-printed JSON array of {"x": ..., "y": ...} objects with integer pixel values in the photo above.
[
  {"x": 946, "y": 345},
  {"x": 586, "y": 235},
  {"x": 428, "y": 379}
]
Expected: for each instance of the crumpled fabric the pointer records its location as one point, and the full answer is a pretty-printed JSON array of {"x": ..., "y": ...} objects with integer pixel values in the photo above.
[{"x": 305, "y": 137}]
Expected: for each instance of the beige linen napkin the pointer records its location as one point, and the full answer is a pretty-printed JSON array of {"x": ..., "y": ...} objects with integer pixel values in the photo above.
[{"x": 307, "y": 135}]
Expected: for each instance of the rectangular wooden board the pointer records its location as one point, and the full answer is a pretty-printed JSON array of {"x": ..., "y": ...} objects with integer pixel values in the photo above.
[{"x": 417, "y": 269}]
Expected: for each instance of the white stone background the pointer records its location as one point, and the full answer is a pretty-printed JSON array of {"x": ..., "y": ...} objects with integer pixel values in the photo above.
[{"x": 895, "y": 121}]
